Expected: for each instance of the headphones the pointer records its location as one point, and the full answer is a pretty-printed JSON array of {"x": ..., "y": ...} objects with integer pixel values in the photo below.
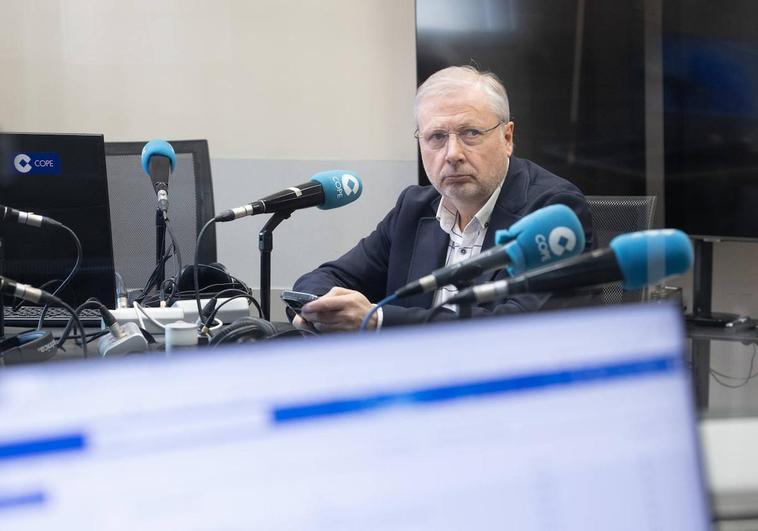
[
  {"x": 28, "y": 347},
  {"x": 249, "y": 329},
  {"x": 244, "y": 329},
  {"x": 212, "y": 275}
]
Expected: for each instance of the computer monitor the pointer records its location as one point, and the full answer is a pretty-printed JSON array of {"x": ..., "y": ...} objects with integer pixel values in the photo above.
[
  {"x": 573, "y": 420},
  {"x": 61, "y": 176}
]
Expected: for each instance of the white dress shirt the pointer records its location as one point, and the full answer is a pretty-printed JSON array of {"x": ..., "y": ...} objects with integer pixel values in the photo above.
[{"x": 463, "y": 244}]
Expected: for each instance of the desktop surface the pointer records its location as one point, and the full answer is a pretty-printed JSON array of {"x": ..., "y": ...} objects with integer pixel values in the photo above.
[{"x": 568, "y": 420}]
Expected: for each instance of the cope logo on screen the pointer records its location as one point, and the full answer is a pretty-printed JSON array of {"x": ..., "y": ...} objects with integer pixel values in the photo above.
[
  {"x": 22, "y": 162},
  {"x": 37, "y": 163}
]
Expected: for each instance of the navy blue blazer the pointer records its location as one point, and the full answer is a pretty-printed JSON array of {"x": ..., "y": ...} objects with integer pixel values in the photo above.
[{"x": 409, "y": 243}]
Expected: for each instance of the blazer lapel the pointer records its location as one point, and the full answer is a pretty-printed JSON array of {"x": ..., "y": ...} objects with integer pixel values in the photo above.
[
  {"x": 429, "y": 253},
  {"x": 430, "y": 246}
]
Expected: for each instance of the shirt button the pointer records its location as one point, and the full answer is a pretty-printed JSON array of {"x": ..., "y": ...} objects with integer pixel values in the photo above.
[{"x": 463, "y": 251}]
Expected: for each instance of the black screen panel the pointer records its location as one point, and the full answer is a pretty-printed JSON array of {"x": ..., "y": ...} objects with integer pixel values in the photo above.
[{"x": 63, "y": 177}]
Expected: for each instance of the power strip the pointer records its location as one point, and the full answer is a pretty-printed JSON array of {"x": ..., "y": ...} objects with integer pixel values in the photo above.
[
  {"x": 162, "y": 315},
  {"x": 228, "y": 313}
]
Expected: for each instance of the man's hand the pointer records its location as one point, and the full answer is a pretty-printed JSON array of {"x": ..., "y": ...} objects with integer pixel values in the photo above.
[
  {"x": 339, "y": 310},
  {"x": 302, "y": 324}
]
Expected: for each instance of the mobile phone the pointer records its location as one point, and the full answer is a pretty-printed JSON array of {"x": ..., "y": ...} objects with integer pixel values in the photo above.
[{"x": 296, "y": 299}]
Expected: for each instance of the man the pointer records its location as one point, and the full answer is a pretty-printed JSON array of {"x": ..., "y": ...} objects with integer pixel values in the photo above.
[{"x": 466, "y": 140}]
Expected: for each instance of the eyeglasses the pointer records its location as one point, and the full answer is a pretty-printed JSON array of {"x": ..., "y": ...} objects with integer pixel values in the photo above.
[{"x": 470, "y": 136}]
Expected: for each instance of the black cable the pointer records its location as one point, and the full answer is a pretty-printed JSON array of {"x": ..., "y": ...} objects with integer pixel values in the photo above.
[
  {"x": 212, "y": 316},
  {"x": 210, "y": 288},
  {"x": 89, "y": 302},
  {"x": 744, "y": 379},
  {"x": 234, "y": 279},
  {"x": 161, "y": 265},
  {"x": 437, "y": 309},
  {"x": 97, "y": 335},
  {"x": 195, "y": 276},
  {"x": 67, "y": 280},
  {"x": 233, "y": 291},
  {"x": 175, "y": 246},
  {"x": 90, "y": 336},
  {"x": 294, "y": 332},
  {"x": 153, "y": 278},
  {"x": 74, "y": 318}
]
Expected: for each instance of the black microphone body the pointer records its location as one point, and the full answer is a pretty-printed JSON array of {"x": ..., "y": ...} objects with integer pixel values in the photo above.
[
  {"x": 25, "y": 292},
  {"x": 588, "y": 269},
  {"x": 305, "y": 195},
  {"x": 495, "y": 258},
  {"x": 26, "y": 218},
  {"x": 160, "y": 170}
]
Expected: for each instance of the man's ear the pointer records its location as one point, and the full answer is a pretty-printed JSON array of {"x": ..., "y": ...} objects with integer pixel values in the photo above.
[{"x": 508, "y": 130}]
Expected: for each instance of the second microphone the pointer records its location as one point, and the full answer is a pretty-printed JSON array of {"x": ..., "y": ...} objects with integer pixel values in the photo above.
[{"x": 325, "y": 190}]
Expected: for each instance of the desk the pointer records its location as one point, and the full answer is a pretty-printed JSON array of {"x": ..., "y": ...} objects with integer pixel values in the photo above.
[
  {"x": 701, "y": 338},
  {"x": 731, "y": 466}
]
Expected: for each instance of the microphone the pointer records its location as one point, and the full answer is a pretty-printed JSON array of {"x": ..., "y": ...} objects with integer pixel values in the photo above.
[
  {"x": 26, "y": 218},
  {"x": 158, "y": 161},
  {"x": 637, "y": 259},
  {"x": 25, "y": 292},
  {"x": 326, "y": 190},
  {"x": 544, "y": 236}
]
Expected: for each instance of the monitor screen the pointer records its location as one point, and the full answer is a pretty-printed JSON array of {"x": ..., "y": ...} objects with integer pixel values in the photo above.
[
  {"x": 573, "y": 420},
  {"x": 710, "y": 76},
  {"x": 63, "y": 177}
]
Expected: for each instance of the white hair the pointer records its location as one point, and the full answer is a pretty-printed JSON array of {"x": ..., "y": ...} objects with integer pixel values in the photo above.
[{"x": 456, "y": 78}]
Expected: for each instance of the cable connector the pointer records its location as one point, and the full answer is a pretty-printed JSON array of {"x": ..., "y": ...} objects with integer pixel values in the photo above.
[
  {"x": 130, "y": 341},
  {"x": 111, "y": 323}
]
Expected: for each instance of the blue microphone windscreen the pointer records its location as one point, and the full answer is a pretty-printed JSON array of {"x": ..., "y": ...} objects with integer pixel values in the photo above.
[
  {"x": 157, "y": 147},
  {"x": 340, "y": 187},
  {"x": 649, "y": 256},
  {"x": 546, "y": 235}
]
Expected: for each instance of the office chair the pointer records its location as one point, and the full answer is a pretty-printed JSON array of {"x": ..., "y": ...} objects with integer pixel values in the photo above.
[
  {"x": 133, "y": 206},
  {"x": 614, "y": 215}
]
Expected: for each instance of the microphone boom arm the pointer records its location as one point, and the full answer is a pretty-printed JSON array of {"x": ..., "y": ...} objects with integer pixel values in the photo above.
[{"x": 266, "y": 245}]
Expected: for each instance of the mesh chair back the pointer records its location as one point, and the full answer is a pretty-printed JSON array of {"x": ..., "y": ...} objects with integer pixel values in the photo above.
[
  {"x": 614, "y": 215},
  {"x": 133, "y": 207}
]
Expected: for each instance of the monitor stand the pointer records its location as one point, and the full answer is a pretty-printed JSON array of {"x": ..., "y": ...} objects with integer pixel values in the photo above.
[{"x": 702, "y": 286}]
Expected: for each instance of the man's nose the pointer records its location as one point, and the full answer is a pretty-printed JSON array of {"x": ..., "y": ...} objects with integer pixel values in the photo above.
[{"x": 454, "y": 149}]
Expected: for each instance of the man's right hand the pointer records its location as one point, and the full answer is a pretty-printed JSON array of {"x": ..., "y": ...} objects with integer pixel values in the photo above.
[
  {"x": 340, "y": 310},
  {"x": 302, "y": 324}
]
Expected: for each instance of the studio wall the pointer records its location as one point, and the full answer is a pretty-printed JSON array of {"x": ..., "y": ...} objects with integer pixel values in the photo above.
[{"x": 281, "y": 90}]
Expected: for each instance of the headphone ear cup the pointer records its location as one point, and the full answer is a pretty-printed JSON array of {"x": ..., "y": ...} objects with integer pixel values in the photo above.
[
  {"x": 28, "y": 347},
  {"x": 211, "y": 277},
  {"x": 244, "y": 329},
  {"x": 268, "y": 328}
]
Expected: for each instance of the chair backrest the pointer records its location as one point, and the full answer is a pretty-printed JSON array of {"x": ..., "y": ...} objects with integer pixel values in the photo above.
[
  {"x": 614, "y": 215},
  {"x": 133, "y": 207}
]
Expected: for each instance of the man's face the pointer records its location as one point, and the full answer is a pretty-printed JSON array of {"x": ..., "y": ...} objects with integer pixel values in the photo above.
[{"x": 465, "y": 174}]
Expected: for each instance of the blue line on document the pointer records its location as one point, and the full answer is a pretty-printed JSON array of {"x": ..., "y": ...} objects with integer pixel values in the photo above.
[
  {"x": 510, "y": 384},
  {"x": 41, "y": 446},
  {"x": 19, "y": 500}
]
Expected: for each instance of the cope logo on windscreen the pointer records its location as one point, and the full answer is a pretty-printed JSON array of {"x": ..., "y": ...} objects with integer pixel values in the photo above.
[{"x": 37, "y": 163}]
